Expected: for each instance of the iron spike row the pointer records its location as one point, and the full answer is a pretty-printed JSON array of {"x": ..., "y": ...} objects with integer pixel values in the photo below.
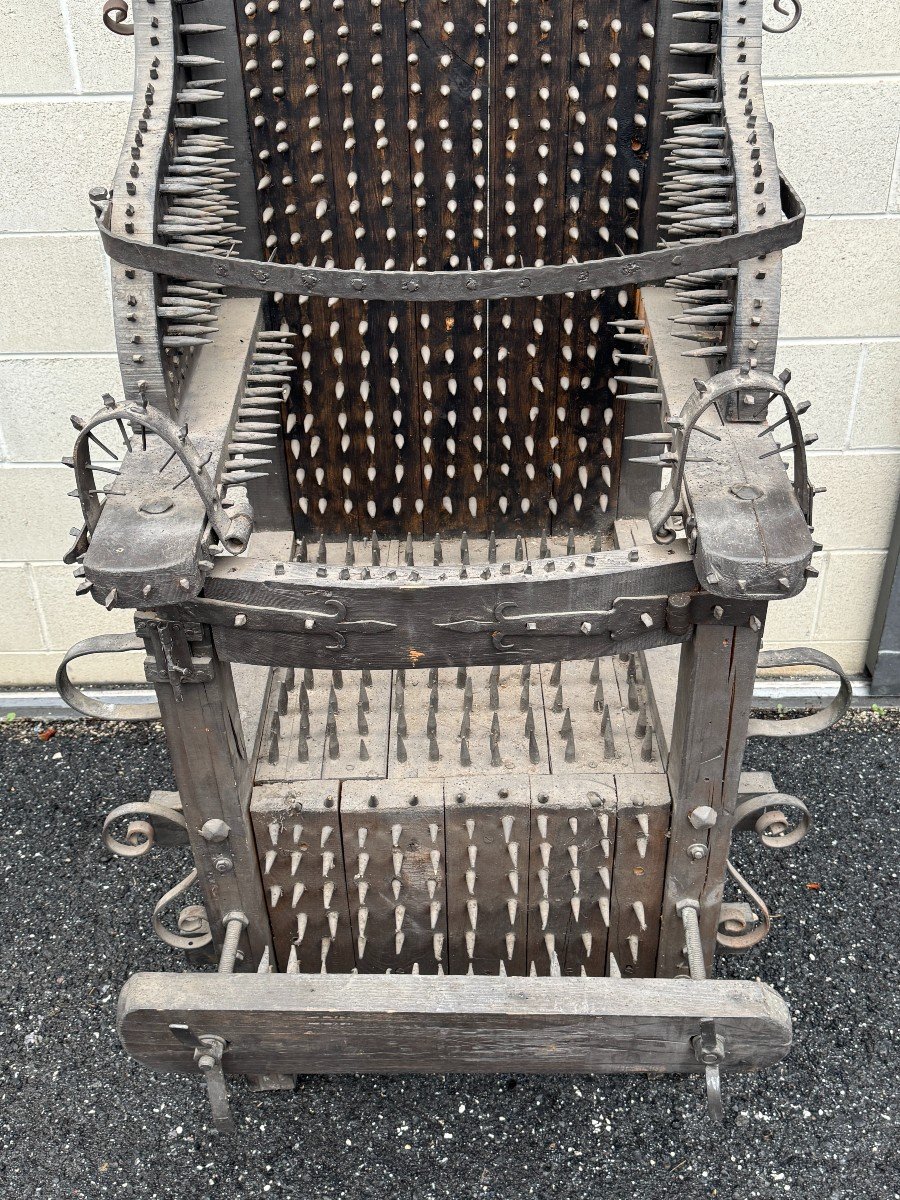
[
  {"x": 685, "y": 107},
  {"x": 697, "y": 336},
  {"x": 699, "y": 180},
  {"x": 691, "y": 156},
  {"x": 643, "y": 359}
]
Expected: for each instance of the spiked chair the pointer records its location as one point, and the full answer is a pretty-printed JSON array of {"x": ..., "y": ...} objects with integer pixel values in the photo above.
[{"x": 446, "y": 489}]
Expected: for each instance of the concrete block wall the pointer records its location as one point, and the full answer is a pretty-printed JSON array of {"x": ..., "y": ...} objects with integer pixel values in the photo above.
[{"x": 65, "y": 84}]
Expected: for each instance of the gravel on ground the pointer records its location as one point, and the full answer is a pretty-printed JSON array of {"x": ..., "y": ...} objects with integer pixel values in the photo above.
[{"x": 79, "y": 1119}]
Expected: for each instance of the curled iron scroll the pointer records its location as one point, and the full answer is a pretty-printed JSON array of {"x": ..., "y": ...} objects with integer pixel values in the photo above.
[
  {"x": 771, "y": 816},
  {"x": 198, "y": 935},
  {"x": 814, "y": 722},
  {"x": 115, "y": 13},
  {"x": 742, "y": 926},
  {"x": 146, "y": 821},
  {"x": 786, "y": 8}
]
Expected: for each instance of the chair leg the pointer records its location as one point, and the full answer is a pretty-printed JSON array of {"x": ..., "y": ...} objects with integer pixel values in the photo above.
[
  {"x": 712, "y": 709},
  {"x": 213, "y": 772}
]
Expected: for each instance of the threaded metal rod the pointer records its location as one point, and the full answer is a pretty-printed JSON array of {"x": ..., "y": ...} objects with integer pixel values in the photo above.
[
  {"x": 234, "y": 926},
  {"x": 692, "y": 940}
]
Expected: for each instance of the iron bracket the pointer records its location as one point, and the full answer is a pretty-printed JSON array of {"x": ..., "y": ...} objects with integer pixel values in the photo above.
[
  {"x": 208, "y": 1051},
  {"x": 178, "y": 652}
]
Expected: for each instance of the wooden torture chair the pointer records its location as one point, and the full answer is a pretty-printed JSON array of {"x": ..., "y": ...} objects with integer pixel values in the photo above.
[{"x": 450, "y": 485}]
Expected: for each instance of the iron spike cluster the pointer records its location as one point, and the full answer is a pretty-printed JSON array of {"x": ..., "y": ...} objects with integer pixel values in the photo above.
[
  {"x": 697, "y": 195},
  {"x": 258, "y": 423}
]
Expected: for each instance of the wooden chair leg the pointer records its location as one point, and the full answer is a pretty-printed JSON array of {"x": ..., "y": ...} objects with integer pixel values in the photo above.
[
  {"x": 712, "y": 709},
  {"x": 213, "y": 772}
]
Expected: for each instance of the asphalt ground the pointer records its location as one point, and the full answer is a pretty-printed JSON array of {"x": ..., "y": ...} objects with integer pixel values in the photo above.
[{"x": 79, "y": 1119}]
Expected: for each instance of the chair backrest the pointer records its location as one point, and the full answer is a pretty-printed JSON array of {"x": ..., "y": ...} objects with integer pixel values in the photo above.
[{"x": 451, "y": 135}]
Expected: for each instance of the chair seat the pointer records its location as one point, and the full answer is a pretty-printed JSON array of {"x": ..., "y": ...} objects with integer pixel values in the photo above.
[{"x": 550, "y": 717}]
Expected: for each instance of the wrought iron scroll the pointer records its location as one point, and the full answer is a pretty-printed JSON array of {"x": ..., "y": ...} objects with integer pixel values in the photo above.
[
  {"x": 108, "y": 643},
  {"x": 815, "y": 722},
  {"x": 145, "y": 822},
  {"x": 742, "y": 925},
  {"x": 115, "y": 18},
  {"x": 193, "y": 925},
  {"x": 791, "y": 9},
  {"x": 779, "y": 820}
]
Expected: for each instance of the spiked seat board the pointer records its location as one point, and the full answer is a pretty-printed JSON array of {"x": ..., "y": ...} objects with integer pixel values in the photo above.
[
  {"x": 515, "y": 875},
  {"x": 394, "y": 1023}
]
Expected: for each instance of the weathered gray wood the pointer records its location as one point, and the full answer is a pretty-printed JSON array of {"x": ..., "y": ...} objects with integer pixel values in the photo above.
[
  {"x": 133, "y": 550},
  {"x": 643, "y": 814},
  {"x": 432, "y": 616},
  {"x": 658, "y": 667},
  {"x": 757, "y": 297},
  {"x": 487, "y": 829},
  {"x": 301, "y": 862},
  {"x": 715, "y": 691},
  {"x": 394, "y": 845},
  {"x": 138, "y": 332},
  {"x": 573, "y": 830},
  {"x": 761, "y": 542},
  {"x": 387, "y": 1023},
  {"x": 213, "y": 772}
]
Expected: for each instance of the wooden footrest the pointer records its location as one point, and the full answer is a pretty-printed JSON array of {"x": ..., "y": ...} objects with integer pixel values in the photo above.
[{"x": 312, "y": 1024}]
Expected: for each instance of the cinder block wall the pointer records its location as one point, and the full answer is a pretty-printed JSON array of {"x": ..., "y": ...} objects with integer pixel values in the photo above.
[{"x": 65, "y": 83}]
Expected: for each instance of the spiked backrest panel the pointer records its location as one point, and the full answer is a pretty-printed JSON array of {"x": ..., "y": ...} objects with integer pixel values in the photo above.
[{"x": 449, "y": 135}]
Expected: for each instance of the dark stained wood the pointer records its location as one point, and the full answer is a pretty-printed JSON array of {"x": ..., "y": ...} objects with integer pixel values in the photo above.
[
  {"x": 514, "y": 134},
  {"x": 213, "y": 773},
  {"x": 385, "y": 1023}
]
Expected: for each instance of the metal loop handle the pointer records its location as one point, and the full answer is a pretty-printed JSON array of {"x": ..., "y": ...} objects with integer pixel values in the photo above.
[
  {"x": 107, "y": 643},
  {"x": 814, "y": 722},
  {"x": 115, "y": 13}
]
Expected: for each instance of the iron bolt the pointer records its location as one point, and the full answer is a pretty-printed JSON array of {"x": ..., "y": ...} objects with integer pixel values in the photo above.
[
  {"x": 697, "y": 851},
  {"x": 223, "y": 864},
  {"x": 703, "y": 817},
  {"x": 206, "y": 1062},
  {"x": 215, "y": 830}
]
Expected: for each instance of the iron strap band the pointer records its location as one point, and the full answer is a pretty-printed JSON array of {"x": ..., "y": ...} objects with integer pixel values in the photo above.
[{"x": 426, "y": 286}]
